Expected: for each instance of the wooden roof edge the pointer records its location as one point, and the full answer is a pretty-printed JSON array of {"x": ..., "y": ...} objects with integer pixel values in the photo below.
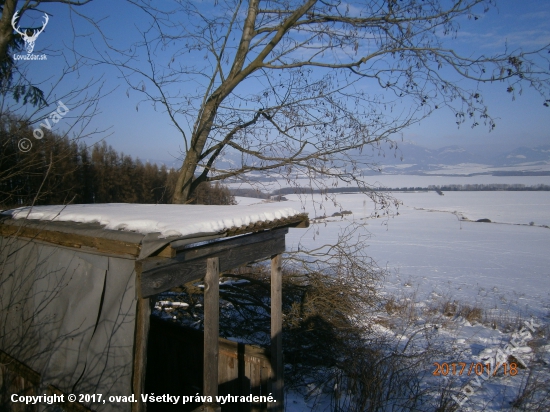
[
  {"x": 90, "y": 229},
  {"x": 86, "y": 236},
  {"x": 297, "y": 221}
]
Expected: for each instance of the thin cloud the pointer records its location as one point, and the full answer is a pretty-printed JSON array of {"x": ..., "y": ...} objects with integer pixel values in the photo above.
[
  {"x": 497, "y": 39},
  {"x": 525, "y": 38},
  {"x": 542, "y": 14}
]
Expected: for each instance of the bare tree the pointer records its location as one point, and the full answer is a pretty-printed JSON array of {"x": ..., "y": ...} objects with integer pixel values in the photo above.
[
  {"x": 13, "y": 81},
  {"x": 304, "y": 87}
]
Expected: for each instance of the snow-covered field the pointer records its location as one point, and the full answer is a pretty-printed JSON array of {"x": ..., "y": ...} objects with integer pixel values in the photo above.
[
  {"x": 434, "y": 250},
  {"x": 431, "y": 247}
]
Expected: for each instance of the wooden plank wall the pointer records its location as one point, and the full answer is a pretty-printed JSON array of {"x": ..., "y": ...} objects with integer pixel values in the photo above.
[
  {"x": 17, "y": 378},
  {"x": 175, "y": 357},
  {"x": 243, "y": 370}
]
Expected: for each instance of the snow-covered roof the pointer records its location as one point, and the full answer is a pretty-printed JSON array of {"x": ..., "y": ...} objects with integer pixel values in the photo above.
[{"x": 167, "y": 220}]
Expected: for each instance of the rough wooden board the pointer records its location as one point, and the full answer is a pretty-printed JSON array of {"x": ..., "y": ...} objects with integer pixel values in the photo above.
[
  {"x": 24, "y": 373},
  {"x": 19, "y": 368},
  {"x": 159, "y": 275},
  {"x": 141, "y": 335},
  {"x": 276, "y": 335},
  {"x": 211, "y": 327},
  {"x": 187, "y": 254},
  {"x": 76, "y": 235},
  {"x": 300, "y": 220},
  {"x": 71, "y": 240},
  {"x": 166, "y": 252},
  {"x": 229, "y": 348}
]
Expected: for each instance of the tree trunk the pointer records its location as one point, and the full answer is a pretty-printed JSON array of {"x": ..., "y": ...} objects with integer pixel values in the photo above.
[
  {"x": 185, "y": 183},
  {"x": 6, "y": 30}
]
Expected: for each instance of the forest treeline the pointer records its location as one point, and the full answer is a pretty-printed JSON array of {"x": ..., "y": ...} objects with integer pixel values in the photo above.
[
  {"x": 449, "y": 188},
  {"x": 490, "y": 187},
  {"x": 57, "y": 170}
]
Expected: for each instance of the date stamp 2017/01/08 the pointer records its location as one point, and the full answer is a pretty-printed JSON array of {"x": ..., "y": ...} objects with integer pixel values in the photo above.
[{"x": 458, "y": 368}]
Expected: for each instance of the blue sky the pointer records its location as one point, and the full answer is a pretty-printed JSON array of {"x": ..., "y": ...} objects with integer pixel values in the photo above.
[
  {"x": 149, "y": 135},
  {"x": 523, "y": 122}
]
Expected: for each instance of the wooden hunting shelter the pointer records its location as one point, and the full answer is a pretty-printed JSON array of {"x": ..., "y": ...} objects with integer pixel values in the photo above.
[{"x": 76, "y": 284}]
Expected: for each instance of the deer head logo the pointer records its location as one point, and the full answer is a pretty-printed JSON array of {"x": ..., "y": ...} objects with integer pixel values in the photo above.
[{"x": 29, "y": 39}]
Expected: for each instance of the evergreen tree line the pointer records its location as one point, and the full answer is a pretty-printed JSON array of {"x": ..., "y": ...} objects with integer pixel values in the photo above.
[
  {"x": 489, "y": 187},
  {"x": 454, "y": 187},
  {"x": 57, "y": 170}
]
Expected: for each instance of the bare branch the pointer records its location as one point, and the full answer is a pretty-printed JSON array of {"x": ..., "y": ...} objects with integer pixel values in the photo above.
[{"x": 306, "y": 87}]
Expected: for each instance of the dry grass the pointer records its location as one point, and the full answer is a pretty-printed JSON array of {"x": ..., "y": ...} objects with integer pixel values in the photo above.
[{"x": 345, "y": 342}]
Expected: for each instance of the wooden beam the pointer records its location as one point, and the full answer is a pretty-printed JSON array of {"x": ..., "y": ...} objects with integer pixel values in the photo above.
[
  {"x": 277, "y": 334},
  {"x": 159, "y": 275},
  {"x": 72, "y": 240},
  {"x": 141, "y": 335},
  {"x": 189, "y": 253},
  {"x": 19, "y": 369},
  {"x": 26, "y": 381},
  {"x": 211, "y": 330},
  {"x": 300, "y": 220},
  {"x": 166, "y": 252}
]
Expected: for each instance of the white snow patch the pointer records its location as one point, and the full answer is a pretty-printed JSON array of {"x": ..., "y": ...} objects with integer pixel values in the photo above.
[
  {"x": 500, "y": 265},
  {"x": 167, "y": 303},
  {"x": 169, "y": 220}
]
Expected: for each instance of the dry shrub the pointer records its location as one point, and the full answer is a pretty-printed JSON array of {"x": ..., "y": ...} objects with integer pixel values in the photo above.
[
  {"x": 336, "y": 344},
  {"x": 392, "y": 306},
  {"x": 471, "y": 313},
  {"x": 453, "y": 308},
  {"x": 397, "y": 306},
  {"x": 534, "y": 392},
  {"x": 450, "y": 308}
]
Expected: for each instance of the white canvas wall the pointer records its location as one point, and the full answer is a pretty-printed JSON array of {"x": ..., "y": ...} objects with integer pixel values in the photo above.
[{"x": 70, "y": 316}]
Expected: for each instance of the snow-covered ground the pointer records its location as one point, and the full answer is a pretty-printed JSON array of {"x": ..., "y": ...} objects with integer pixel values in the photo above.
[
  {"x": 434, "y": 249},
  {"x": 429, "y": 246}
]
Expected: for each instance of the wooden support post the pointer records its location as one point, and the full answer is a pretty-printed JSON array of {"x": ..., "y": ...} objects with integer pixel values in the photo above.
[
  {"x": 211, "y": 331},
  {"x": 277, "y": 334},
  {"x": 141, "y": 334}
]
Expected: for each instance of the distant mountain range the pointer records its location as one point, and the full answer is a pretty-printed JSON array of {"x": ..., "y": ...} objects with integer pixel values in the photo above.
[
  {"x": 410, "y": 158},
  {"x": 522, "y": 155},
  {"x": 453, "y": 155}
]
